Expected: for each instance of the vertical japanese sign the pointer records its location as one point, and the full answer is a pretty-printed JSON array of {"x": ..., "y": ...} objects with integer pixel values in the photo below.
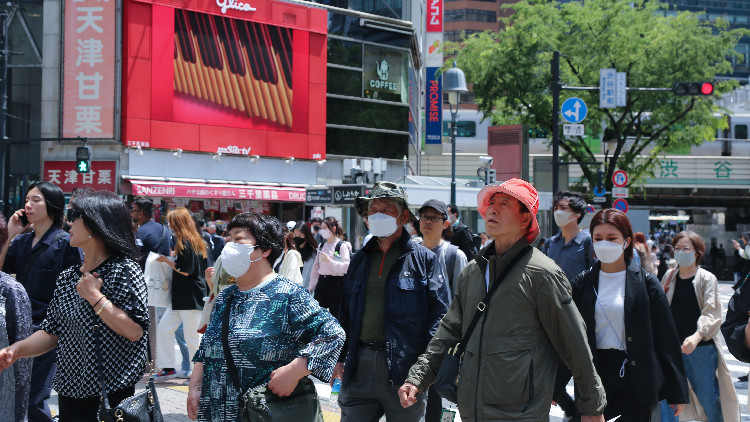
[
  {"x": 89, "y": 62},
  {"x": 434, "y": 60}
]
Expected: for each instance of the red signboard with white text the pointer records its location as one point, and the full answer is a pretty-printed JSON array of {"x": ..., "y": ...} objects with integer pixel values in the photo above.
[
  {"x": 219, "y": 191},
  {"x": 103, "y": 175},
  {"x": 225, "y": 76},
  {"x": 434, "y": 16},
  {"x": 89, "y": 63}
]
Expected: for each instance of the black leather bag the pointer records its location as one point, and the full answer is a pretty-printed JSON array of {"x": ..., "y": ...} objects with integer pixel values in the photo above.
[
  {"x": 260, "y": 404},
  {"x": 141, "y": 407},
  {"x": 446, "y": 383}
]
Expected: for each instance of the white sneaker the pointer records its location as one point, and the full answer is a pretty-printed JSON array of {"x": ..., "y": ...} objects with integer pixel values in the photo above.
[{"x": 183, "y": 374}]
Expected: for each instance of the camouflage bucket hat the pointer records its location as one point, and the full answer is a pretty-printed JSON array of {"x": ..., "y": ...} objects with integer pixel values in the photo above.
[{"x": 384, "y": 190}]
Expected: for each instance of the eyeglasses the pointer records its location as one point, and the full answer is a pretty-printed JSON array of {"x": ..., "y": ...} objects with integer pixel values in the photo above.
[
  {"x": 72, "y": 215},
  {"x": 431, "y": 218}
]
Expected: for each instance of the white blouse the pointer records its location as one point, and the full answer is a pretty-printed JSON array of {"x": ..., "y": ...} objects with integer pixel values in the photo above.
[{"x": 609, "y": 311}]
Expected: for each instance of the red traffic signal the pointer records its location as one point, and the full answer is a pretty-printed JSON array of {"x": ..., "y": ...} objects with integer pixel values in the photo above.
[{"x": 693, "y": 88}]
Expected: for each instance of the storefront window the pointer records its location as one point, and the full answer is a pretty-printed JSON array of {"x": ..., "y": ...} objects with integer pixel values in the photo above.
[{"x": 343, "y": 52}]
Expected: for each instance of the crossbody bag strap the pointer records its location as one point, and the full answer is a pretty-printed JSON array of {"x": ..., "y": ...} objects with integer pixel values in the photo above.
[
  {"x": 225, "y": 345},
  {"x": 22, "y": 275},
  {"x": 482, "y": 306},
  {"x": 99, "y": 363}
]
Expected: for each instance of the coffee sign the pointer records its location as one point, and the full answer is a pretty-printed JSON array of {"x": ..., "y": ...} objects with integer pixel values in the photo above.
[{"x": 385, "y": 72}]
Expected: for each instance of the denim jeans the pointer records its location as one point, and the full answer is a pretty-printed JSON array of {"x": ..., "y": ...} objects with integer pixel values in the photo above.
[{"x": 700, "y": 367}]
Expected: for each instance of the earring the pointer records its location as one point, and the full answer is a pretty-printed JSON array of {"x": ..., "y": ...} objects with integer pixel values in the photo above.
[{"x": 89, "y": 236}]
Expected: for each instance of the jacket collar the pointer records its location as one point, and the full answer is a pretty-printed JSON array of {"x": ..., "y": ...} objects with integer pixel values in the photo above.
[{"x": 488, "y": 254}]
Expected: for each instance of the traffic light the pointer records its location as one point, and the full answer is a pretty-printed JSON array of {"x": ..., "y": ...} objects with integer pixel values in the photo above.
[
  {"x": 83, "y": 159},
  {"x": 693, "y": 88}
]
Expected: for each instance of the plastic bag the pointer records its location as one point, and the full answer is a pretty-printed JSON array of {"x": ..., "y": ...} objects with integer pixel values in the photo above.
[{"x": 158, "y": 277}]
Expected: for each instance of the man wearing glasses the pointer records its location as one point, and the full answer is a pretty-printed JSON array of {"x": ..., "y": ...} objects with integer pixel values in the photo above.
[{"x": 433, "y": 223}]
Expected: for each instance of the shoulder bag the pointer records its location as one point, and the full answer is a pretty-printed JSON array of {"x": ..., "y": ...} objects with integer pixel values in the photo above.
[
  {"x": 260, "y": 404},
  {"x": 446, "y": 383},
  {"x": 141, "y": 407}
]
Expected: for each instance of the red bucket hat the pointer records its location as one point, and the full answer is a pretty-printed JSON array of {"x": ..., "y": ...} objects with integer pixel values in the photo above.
[{"x": 519, "y": 189}]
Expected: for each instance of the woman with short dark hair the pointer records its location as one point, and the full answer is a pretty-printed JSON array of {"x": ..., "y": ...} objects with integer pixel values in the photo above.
[
  {"x": 695, "y": 302},
  {"x": 631, "y": 332},
  {"x": 37, "y": 259},
  {"x": 277, "y": 333},
  {"x": 108, "y": 287}
]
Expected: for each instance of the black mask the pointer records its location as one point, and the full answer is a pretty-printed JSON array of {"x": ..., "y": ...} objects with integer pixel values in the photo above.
[
  {"x": 315, "y": 228},
  {"x": 298, "y": 241}
]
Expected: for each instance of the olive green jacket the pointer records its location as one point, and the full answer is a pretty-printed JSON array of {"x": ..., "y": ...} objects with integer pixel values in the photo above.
[{"x": 508, "y": 369}]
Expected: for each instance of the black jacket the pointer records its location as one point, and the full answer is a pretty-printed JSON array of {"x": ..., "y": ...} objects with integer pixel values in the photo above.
[
  {"x": 464, "y": 239},
  {"x": 734, "y": 324},
  {"x": 416, "y": 298},
  {"x": 654, "y": 355}
]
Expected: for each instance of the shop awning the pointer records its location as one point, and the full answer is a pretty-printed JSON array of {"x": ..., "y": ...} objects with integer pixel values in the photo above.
[{"x": 216, "y": 191}]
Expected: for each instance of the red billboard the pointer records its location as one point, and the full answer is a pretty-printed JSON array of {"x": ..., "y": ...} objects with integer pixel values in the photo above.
[{"x": 225, "y": 76}]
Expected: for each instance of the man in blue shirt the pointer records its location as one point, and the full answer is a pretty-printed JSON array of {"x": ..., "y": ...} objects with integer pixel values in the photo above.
[
  {"x": 571, "y": 249},
  {"x": 151, "y": 236}
]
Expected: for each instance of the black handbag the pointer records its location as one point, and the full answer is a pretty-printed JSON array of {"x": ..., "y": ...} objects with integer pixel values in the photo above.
[
  {"x": 260, "y": 404},
  {"x": 141, "y": 407},
  {"x": 446, "y": 383}
]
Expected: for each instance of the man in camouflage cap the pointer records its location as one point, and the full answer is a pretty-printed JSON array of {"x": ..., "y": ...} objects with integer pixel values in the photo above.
[{"x": 393, "y": 302}]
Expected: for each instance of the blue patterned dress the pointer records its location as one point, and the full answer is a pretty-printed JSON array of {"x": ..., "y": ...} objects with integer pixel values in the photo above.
[{"x": 270, "y": 326}]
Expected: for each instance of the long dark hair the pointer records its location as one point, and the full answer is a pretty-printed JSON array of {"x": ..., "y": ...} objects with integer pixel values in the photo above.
[
  {"x": 310, "y": 244},
  {"x": 107, "y": 218},
  {"x": 54, "y": 200}
]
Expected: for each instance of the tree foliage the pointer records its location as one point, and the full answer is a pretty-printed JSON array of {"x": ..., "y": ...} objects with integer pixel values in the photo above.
[{"x": 511, "y": 75}]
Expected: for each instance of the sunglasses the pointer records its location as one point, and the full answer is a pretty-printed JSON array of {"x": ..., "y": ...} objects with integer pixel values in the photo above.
[{"x": 72, "y": 215}]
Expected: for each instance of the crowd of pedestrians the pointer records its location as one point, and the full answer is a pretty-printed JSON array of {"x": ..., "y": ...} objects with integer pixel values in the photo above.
[{"x": 634, "y": 320}]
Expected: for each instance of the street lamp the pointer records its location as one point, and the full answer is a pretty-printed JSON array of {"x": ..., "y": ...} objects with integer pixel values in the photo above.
[{"x": 454, "y": 83}]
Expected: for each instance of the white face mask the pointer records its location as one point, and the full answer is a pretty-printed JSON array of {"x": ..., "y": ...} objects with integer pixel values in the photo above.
[
  {"x": 325, "y": 233},
  {"x": 235, "y": 258},
  {"x": 382, "y": 225},
  {"x": 609, "y": 252},
  {"x": 684, "y": 258},
  {"x": 562, "y": 218}
]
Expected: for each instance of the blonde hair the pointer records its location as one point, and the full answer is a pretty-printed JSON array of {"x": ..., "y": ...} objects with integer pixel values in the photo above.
[{"x": 181, "y": 222}]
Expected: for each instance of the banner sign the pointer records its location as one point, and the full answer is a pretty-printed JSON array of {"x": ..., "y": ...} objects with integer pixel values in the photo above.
[
  {"x": 89, "y": 69},
  {"x": 63, "y": 173},
  {"x": 434, "y": 106},
  {"x": 319, "y": 196},
  {"x": 218, "y": 191},
  {"x": 434, "y": 15}
]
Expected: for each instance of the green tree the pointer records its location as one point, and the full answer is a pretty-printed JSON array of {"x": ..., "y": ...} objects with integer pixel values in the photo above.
[{"x": 511, "y": 75}]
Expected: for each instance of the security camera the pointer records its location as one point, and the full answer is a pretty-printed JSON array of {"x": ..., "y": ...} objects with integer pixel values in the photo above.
[{"x": 485, "y": 160}]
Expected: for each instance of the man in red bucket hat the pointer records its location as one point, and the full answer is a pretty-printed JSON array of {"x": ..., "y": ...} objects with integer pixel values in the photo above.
[{"x": 528, "y": 323}]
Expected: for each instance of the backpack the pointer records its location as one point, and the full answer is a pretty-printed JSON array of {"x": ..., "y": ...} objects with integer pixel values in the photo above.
[{"x": 451, "y": 251}]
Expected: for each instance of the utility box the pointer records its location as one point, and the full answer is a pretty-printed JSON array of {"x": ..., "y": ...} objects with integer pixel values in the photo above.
[{"x": 508, "y": 145}]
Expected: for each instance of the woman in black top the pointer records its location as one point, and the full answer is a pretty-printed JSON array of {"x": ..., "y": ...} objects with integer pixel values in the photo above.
[
  {"x": 37, "y": 259},
  {"x": 188, "y": 290},
  {"x": 107, "y": 290}
]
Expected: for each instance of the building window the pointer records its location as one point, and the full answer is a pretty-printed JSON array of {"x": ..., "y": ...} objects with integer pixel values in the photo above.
[
  {"x": 471, "y": 15},
  {"x": 459, "y": 35},
  {"x": 740, "y": 131}
]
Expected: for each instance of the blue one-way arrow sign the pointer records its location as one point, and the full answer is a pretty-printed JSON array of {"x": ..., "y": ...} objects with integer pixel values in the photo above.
[{"x": 574, "y": 110}]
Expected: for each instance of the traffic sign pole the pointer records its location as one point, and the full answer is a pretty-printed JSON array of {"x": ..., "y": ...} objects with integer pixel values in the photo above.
[{"x": 555, "y": 124}]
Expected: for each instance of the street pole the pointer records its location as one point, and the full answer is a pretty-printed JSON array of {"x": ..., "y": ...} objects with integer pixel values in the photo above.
[
  {"x": 454, "y": 115},
  {"x": 555, "y": 122},
  {"x": 3, "y": 102}
]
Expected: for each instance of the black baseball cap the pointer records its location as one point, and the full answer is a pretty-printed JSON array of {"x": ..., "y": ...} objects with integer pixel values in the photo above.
[{"x": 437, "y": 205}]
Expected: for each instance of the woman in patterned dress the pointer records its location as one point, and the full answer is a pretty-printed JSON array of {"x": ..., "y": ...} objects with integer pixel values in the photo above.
[
  {"x": 108, "y": 287},
  {"x": 277, "y": 332}
]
